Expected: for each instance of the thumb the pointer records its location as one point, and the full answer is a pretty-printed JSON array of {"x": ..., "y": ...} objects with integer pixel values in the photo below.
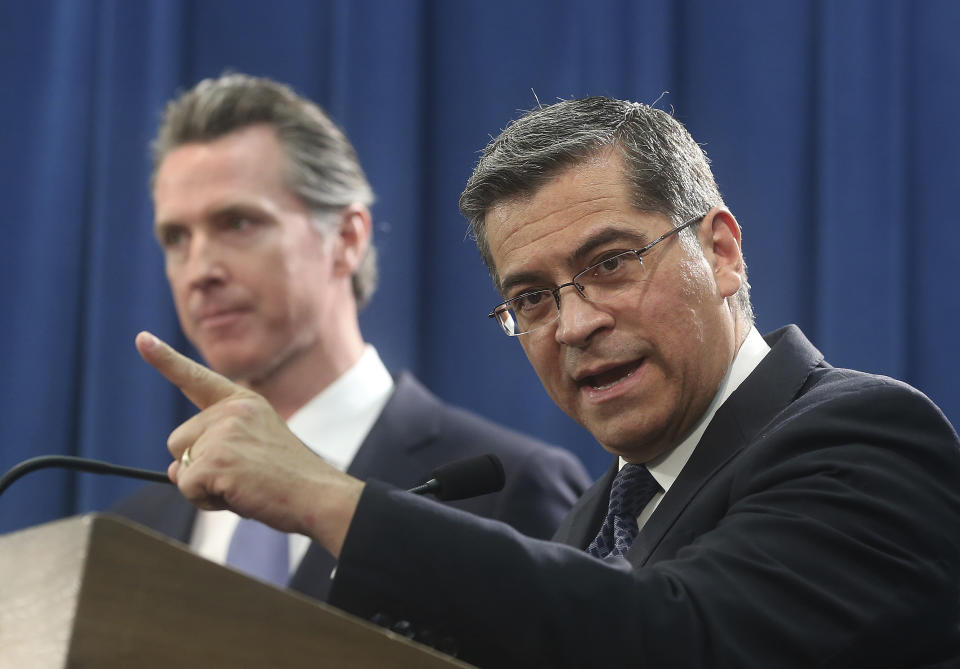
[{"x": 201, "y": 385}]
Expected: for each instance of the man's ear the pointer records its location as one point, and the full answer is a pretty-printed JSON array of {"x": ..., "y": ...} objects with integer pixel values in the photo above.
[
  {"x": 352, "y": 238},
  {"x": 719, "y": 236}
]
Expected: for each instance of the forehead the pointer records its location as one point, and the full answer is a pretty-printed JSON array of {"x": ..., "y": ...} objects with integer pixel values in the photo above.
[
  {"x": 585, "y": 201},
  {"x": 247, "y": 164}
]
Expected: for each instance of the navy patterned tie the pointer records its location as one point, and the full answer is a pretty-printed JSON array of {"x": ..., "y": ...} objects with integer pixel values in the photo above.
[
  {"x": 260, "y": 551},
  {"x": 632, "y": 489}
]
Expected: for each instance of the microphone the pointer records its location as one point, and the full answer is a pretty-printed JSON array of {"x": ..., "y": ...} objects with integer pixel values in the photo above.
[
  {"x": 460, "y": 479},
  {"x": 78, "y": 464}
]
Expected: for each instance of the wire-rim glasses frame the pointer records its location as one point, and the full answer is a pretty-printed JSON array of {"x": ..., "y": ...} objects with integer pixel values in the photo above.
[{"x": 506, "y": 310}]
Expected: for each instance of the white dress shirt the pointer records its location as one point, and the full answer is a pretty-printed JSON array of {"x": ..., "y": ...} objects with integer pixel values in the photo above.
[{"x": 333, "y": 425}]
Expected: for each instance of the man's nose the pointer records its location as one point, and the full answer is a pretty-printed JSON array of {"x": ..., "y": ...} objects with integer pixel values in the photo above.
[
  {"x": 579, "y": 319},
  {"x": 205, "y": 263}
]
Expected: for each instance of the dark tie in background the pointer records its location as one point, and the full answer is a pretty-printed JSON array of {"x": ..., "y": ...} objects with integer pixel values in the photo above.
[
  {"x": 632, "y": 489},
  {"x": 260, "y": 551}
]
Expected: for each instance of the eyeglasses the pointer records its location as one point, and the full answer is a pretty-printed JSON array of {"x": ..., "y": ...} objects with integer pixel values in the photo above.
[{"x": 600, "y": 282}]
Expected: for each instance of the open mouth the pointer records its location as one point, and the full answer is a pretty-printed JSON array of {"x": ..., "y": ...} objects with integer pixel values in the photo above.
[{"x": 612, "y": 377}]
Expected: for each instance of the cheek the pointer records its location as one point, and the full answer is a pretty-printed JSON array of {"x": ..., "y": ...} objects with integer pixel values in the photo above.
[
  {"x": 280, "y": 301},
  {"x": 268, "y": 272},
  {"x": 542, "y": 359},
  {"x": 177, "y": 289},
  {"x": 695, "y": 277},
  {"x": 695, "y": 295}
]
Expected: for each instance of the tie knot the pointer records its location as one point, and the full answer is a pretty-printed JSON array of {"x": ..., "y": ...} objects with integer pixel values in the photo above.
[{"x": 632, "y": 489}]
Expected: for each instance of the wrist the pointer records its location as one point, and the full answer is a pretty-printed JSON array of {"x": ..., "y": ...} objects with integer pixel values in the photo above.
[{"x": 328, "y": 510}]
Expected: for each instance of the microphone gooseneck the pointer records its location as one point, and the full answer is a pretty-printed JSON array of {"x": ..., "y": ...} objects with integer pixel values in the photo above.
[
  {"x": 78, "y": 464},
  {"x": 460, "y": 479}
]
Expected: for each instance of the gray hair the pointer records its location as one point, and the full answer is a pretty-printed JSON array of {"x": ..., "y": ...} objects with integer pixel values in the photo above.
[
  {"x": 668, "y": 172},
  {"x": 322, "y": 165}
]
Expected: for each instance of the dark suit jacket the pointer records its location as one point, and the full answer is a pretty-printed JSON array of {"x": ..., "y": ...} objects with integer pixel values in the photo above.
[
  {"x": 414, "y": 434},
  {"x": 817, "y": 524}
]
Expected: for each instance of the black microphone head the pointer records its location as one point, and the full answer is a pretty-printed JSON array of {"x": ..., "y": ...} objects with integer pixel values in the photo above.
[{"x": 468, "y": 477}]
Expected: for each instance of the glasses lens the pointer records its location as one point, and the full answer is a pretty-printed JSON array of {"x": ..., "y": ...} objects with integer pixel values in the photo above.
[
  {"x": 528, "y": 312},
  {"x": 611, "y": 276},
  {"x": 506, "y": 320}
]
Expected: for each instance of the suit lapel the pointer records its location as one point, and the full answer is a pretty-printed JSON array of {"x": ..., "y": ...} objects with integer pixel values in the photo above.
[
  {"x": 409, "y": 420},
  {"x": 312, "y": 577},
  {"x": 182, "y": 518},
  {"x": 763, "y": 394}
]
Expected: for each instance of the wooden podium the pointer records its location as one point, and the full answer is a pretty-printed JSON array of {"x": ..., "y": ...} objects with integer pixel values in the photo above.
[{"x": 99, "y": 591}]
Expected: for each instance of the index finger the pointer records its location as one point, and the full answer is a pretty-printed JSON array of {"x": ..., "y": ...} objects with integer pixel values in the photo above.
[{"x": 201, "y": 385}]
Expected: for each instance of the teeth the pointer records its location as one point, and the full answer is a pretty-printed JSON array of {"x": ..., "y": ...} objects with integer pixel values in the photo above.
[{"x": 615, "y": 381}]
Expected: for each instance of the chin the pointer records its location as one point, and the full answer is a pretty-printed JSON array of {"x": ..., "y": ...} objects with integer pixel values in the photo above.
[
  {"x": 234, "y": 367},
  {"x": 632, "y": 443}
]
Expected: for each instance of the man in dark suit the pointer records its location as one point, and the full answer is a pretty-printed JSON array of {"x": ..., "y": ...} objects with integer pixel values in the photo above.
[
  {"x": 262, "y": 215},
  {"x": 763, "y": 509}
]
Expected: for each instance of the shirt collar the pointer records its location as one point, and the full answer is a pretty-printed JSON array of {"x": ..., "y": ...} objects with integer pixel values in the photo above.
[
  {"x": 666, "y": 467},
  {"x": 336, "y": 420}
]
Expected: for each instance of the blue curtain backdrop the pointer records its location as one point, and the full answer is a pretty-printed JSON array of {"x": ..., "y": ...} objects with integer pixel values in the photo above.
[{"x": 831, "y": 125}]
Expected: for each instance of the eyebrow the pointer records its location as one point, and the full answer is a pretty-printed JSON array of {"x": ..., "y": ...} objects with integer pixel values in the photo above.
[
  {"x": 159, "y": 227},
  {"x": 606, "y": 235},
  {"x": 602, "y": 237},
  {"x": 226, "y": 211}
]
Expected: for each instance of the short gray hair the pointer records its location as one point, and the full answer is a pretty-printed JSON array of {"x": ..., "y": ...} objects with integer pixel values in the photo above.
[
  {"x": 322, "y": 165},
  {"x": 668, "y": 172}
]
